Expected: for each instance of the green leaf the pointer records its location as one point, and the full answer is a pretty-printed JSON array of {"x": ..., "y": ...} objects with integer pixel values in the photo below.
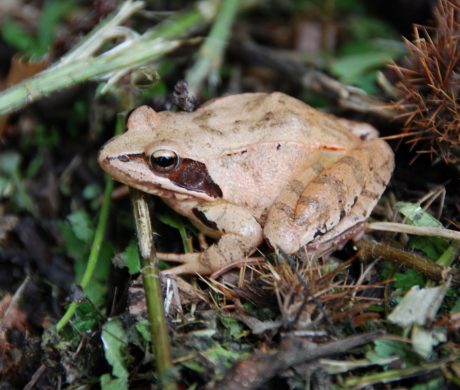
[
  {"x": 182, "y": 225},
  {"x": 433, "y": 247},
  {"x": 16, "y": 36},
  {"x": 350, "y": 68},
  {"x": 456, "y": 307},
  {"x": 12, "y": 186},
  {"x": 449, "y": 255},
  {"x": 359, "y": 60},
  {"x": 6, "y": 187},
  {"x": 194, "y": 365},
  {"x": 51, "y": 14},
  {"x": 416, "y": 215},
  {"x": 9, "y": 163},
  {"x": 143, "y": 328},
  {"x": 86, "y": 317},
  {"x": 131, "y": 258},
  {"x": 36, "y": 43},
  {"x": 222, "y": 358},
  {"x": 92, "y": 191},
  {"x": 114, "y": 340},
  {"x": 388, "y": 348},
  {"x": 34, "y": 165},
  {"x": 408, "y": 279},
  {"x": 74, "y": 247},
  {"x": 81, "y": 225},
  {"x": 367, "y": 30},
  {"x": 234, "y": 327},
  {"x": 108, "y": 382}
]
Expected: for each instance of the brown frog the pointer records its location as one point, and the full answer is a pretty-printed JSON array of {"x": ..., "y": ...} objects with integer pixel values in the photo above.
[{"x": 254, "y": 166}]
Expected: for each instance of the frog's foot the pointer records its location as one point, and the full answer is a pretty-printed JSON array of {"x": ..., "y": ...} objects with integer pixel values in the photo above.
[
  {"x": 240, "y": 235},
  {"x": 330, "y": 242},
  {"x": 192, "y": 263}
]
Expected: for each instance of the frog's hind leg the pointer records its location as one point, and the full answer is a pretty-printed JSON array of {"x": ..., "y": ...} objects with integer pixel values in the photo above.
[{"x": 339, "y": 197}]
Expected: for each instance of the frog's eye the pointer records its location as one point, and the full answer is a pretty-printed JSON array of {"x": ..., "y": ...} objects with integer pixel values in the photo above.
[{"x": 163, "y": 160}]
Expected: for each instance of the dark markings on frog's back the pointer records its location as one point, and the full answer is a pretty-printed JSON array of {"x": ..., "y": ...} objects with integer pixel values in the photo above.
[
  {"x": 202, "y": 121},
  {"x": 204, "y": 220},
  {"x": 268, "y": 116},
  {"x": 356, "y": 168},
  {"x": 255, "y": 102},
  {"x": 194, "y": 176}
]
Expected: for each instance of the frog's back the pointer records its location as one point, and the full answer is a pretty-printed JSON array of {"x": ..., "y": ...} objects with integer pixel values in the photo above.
[{"x": 273, "y": 117}]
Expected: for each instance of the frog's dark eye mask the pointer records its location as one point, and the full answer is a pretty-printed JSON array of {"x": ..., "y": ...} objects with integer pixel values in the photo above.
[{"x": 184, "y": 172}]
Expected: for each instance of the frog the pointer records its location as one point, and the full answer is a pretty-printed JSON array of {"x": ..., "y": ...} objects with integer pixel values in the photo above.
[{"x": 254, "y": 167}]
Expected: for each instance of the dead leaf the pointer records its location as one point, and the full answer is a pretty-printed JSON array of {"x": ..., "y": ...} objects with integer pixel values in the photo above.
[{"x": 20, "y": 69}]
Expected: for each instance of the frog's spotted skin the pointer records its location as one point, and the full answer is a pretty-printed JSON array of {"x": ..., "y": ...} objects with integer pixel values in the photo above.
[
  {"x": 253, "y": 166},
  {"x": 353, "y": 190}
]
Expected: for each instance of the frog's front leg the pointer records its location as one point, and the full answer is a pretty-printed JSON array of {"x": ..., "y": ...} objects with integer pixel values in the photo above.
[
  {"x": 320, "y": 207},
  {"x": 240, "y": 235}
]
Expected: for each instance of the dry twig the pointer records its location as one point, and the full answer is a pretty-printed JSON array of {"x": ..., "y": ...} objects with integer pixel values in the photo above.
[
  {"x": 434, "y": 271},
  {"x": 312, "y": 79},
  {"x": 260, "y": 367}
]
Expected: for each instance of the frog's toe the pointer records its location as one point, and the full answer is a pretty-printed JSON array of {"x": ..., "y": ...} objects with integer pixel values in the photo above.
[
  {"x": 191, "y": 263},
  {"x": 177, "y": 257}
]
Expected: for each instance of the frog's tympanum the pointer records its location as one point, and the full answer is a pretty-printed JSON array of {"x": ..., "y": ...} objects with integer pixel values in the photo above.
[{"x": 254, "y": 166}]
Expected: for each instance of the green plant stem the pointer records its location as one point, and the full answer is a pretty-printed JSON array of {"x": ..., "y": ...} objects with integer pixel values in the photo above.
[
  {"x": 106, "y": 29},
  {"x": 152, "y": 288},
  {"x": 94, "y": 253},
  {"x": 129, "y": 54},
  {"x": 76, "y": 72},
  {"x": 98, "y": 237},
  {"x": 211, "y": 52},
  {"x": 392, "y": 375}
]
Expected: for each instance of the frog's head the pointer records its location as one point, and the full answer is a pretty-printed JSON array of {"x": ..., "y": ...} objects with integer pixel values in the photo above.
[{"x": 150, "y": 159}]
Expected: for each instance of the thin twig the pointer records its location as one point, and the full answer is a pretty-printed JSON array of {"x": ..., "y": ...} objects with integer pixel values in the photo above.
[
  {"x": 14, "y": 303},
  {"x": 254, "y": 371},
  {"x": 416, "y": 230},
  {"x": 371, "y": 250},
  {"x": 35, "y": 377},
  {"x": 292, "y": 68}
]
